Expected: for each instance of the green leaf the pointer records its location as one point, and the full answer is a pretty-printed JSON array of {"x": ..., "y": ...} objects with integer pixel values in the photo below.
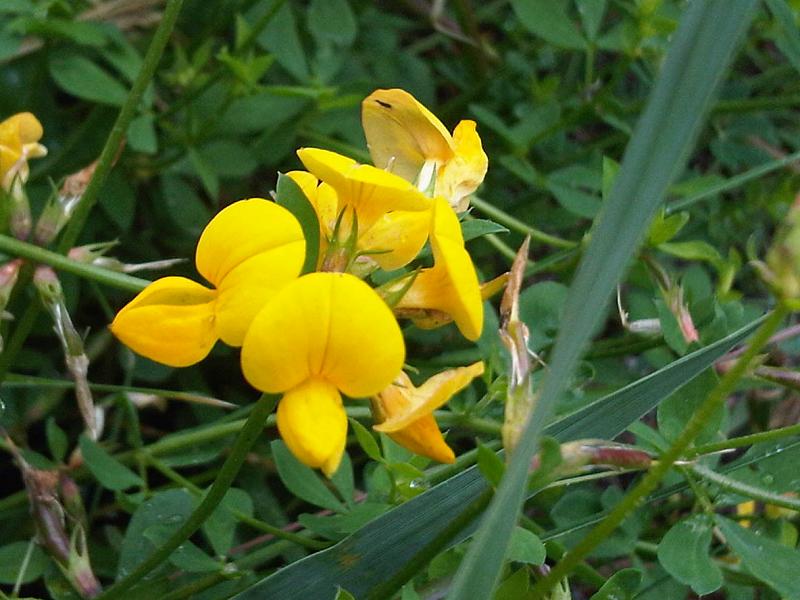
[
  {"x": 366, "y": 440},
  {"x": 675, "y": 411},
  {"x": 700, "y": 52},
  {"x": 111, "y": 473},
  {"x": 289, "y": 195},
  {"x": 220, "y": 526},
  {"x": 787, "y": 36},
  {"x": 549, "y": 20},
  {"x": 81, "y": 77},
  {"x": 526, "y": 547},
  {"x": 170, "y": 508},
  {"x": 281, "y": 38},
  {"x": 514, "y": 587},
  {"x": 11, "y": 558},
  {"x": 401, "y": 536},
  {"x": 344, "y": 480},
  {"x": 693, "y": 250},
  {"x": 664, "y": 228},
  {"x": 475, "y": 228},
  {"x": 622, "y": 585},
  {"x": 187, "y": 557},
  {"x": 591, "y": 13},
  {"x": 490, "y": 464},
  {"x": 57, "y": 441},
  {"x": 685, "y": 553},
  {"x": 332, "y": 20},
  {"x": 771, "y": 562},
  {"x": 302, "y": 481},
  {"x": 142, "y": 135}
]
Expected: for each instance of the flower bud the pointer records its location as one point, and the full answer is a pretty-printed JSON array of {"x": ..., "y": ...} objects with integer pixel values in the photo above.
[{"x": 781, "y": 269}]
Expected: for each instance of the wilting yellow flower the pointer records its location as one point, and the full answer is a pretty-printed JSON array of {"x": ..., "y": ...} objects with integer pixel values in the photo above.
[
  {"x": 248, "y": 252},
  {"x": 19, "y": 141},
  {"x": 451, "y": 285},
  {"x": 394, "y": 240},
  {"x": 323, "y": 335},
  {"x": 405, "y": 138},
  {"x": 405, "y": 412}
]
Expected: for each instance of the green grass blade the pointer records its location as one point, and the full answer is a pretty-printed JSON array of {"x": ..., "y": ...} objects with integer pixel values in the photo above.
[
  {"x": 700, "y": 53},
  {"x": 379, "y": 550}
]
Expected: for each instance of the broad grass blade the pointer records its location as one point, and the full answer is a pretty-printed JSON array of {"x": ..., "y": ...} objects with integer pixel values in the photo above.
[{"x": 700, "y": 53}]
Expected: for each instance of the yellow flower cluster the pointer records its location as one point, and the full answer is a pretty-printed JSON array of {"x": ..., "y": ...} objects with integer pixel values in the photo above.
[{"x": 314, "y": 337}]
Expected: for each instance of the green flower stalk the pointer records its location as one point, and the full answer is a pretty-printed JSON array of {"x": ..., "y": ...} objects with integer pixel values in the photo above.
[{"x": 52, "y": 296}]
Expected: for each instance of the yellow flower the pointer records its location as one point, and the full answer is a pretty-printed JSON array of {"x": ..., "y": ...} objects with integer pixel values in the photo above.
[
  {"x": 248, "y": 252},
  {"x": 19, "y": 141},
  {"x": 323, "y": 335},
  {"x": 393, "y": 241},
  {"x": 405, "y": 412},
  {"x": 451, "y": 285},
  {"x": 405, "y": 138}
]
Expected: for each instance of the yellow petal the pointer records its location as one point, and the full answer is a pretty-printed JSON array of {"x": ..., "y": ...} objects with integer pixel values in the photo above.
[
  {"x": 240, "y": 231},
  {"x": 248, "y": 287},
  {"x": 451, "y": 286},
  {"x": 462, "y": 174},
  {"x": 171, "y": 321},
  {"x": 313, "y": 423},
  {"x": 403, "y": 403},
  {"x": 369, "y": 191},
  {"x": 396, "y": 238},
  {"x": 424, "y": 438},
  {"x": 19, "y": 136},
  {"x": 402, "y": 134},
  {"x": 326, "y": 325}
]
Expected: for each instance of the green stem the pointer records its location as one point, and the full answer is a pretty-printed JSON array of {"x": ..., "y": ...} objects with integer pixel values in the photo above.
[
  {"x": 258, "y": 524},
  {"x": 58, "y": 261},
  {"x": 746, "y": 440},
  {"x": 649, "y": 482},
  {"x": 745, "y": 489},
  {"x": 120, "y": 127},
  {"x": 104, "y": 164},
  {"x": 733, "y": 182},
  {"x": 252, "y": 429},
  {"x": 515, "y": 224}
]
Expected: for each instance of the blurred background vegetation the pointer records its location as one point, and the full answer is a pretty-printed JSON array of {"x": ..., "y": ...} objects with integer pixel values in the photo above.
[{"x": 555, "y": 87}]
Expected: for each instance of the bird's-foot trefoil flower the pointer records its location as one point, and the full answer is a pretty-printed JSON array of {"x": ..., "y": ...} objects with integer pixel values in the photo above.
[
  {"x": 405, "y": 138},
  {"x": 451, "y": 286},
  {"x": 248, "y": 252},
  {"x": 19, "y": 141},
  {"x": 405, "y": 412},
  {"x": 390, "y": 216},
  {"x": 321, "y": 336}
]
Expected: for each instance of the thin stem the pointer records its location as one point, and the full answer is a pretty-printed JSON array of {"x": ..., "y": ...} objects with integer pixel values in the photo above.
[
  {"x": 746, "y": 440},
  {"x": 515, "y": 224},
  {"x": 58, "y": 261},
  {"x": 104, "y": 164},
  {"x": 258, "y": 524},
  {"x": 745, "y": 489},
  {"x": 649, "y": 482},
  {"x": 244, "y": 441},
  {"x": 120, "y": 127},
  {"x": 733, "y": 182}
]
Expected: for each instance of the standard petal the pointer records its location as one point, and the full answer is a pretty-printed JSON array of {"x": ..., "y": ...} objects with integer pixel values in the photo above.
[
  {"x": 402, "y": 134},
  {"x": 327, "y": 325},
  {"x": 313, "y": 423},
  {"x": 396, "y": 238},
  {"x": 248, "y": 287},
  {"x": 171, "y": 321},
  {"x": 240, "y": 231}
]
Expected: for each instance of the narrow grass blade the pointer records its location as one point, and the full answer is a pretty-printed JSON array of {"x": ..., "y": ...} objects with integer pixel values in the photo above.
[
  {"x": 700, "y": 53},
  {"x": 377, "y": 552}
]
